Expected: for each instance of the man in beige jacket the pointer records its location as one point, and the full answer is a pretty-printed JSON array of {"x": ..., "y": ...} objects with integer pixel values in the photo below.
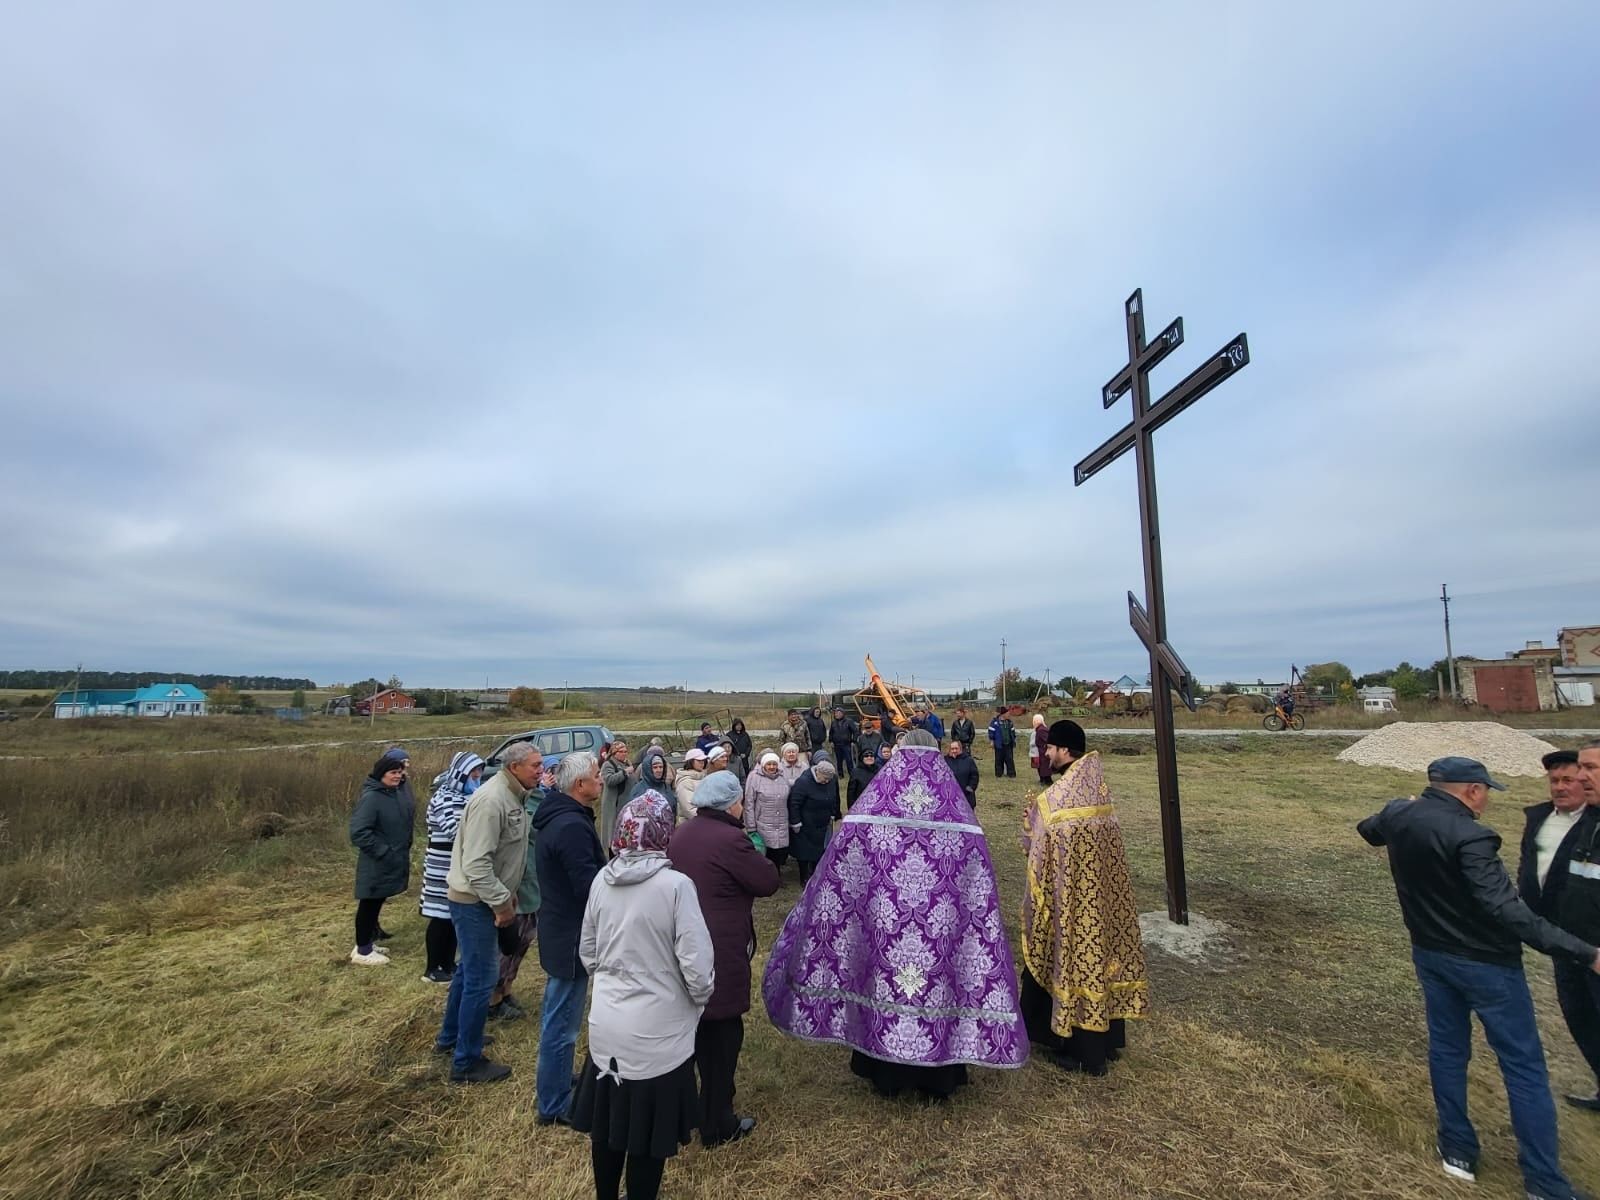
[{"x": 486, "y": 865}]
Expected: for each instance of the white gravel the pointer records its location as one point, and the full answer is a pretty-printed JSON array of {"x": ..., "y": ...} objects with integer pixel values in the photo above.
[{"x": 1412, "y": 745}]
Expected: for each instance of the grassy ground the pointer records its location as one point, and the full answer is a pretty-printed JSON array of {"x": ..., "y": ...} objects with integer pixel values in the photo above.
[
  {"x": 47, "y": 737},
  {"x": 203, "y": 1035}
]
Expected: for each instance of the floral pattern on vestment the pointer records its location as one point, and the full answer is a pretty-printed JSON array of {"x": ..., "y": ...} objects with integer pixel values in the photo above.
[
  {"x": 902, "y": 916},
  {"x": 1080, "y": 925}
]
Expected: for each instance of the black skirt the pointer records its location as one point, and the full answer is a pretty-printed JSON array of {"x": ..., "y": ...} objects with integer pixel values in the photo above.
[
  {"x": 1086, "y": 1050},
  {"x": 649, "y": 1118},
  {"x": 890, "y": 1078}
]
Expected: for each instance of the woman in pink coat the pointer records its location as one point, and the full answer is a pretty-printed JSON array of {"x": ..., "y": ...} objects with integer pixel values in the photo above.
[{"x": 766, "y": 807}]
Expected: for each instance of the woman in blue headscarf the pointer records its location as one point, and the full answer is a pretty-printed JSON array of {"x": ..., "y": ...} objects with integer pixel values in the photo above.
[{"x": 451, "y": 788}]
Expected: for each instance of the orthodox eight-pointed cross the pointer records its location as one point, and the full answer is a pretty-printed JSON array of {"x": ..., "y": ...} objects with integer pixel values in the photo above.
[{"x": 1149, "y": 620}]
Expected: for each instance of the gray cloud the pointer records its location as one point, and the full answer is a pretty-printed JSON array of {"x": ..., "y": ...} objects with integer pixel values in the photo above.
[{"x": 731, "y": 346}]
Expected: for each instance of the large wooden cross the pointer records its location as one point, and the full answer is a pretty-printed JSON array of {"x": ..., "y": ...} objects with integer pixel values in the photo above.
[{"x": 1149, "y": 620}]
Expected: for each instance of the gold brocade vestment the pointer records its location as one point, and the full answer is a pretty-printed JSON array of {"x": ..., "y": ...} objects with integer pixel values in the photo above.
[{"x": 1080, "y": 926}]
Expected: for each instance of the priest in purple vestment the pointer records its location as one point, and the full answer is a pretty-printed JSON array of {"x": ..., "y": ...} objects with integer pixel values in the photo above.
[{"x": 897, "y": 948}]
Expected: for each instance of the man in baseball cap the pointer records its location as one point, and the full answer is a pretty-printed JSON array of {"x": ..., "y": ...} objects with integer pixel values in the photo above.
[{"x": 1467, "y": 928}]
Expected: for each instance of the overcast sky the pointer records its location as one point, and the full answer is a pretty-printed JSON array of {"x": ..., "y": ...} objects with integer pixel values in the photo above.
[{"x": 726, "y": 343}]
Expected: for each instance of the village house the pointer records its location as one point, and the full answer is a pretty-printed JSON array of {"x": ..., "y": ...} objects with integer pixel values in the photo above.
[
  {"x": 390, "y": 700},
  {"x": 155, "y": 700}
]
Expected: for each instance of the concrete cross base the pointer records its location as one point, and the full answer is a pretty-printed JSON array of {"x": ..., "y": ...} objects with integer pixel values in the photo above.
[{"x": 1202, "y": 941}]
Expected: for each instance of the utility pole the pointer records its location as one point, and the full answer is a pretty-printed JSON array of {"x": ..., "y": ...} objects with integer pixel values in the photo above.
[
  {"x": 1002, "y": 670},
  {"x": 372, "y": 707},
  {"x": 1444, "y": 596}
]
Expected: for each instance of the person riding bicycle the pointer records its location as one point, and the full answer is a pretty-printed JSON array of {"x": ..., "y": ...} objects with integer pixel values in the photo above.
[{"x": 1285, "y": 701}]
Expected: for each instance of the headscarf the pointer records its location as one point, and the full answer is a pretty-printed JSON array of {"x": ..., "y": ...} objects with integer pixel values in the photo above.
[
  {"x": 454, "y": 777},
  {"x": 450, "y": 796},
  {"x": 1037, "y": 720},
  {"x": 647, "y": 782},
  {"x": 823, "y": 771},
  {"x": 720, "y": 791},
  {"x": 644, "y": 825}
]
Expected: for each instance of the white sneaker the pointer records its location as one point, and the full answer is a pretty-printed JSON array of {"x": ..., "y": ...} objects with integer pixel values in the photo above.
[
  {"x": 1458, "y": 1168},
  {"x": 374, "y": 959}
]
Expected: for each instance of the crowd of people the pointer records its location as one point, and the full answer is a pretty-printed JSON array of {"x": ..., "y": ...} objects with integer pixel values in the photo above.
[
  {"x": 1468, "y": 923},
  {"x": 641, "y": 878}
]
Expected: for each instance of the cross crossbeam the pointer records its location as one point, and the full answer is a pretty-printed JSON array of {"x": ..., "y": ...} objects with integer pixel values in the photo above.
[{"x": 1149, "y": 620}]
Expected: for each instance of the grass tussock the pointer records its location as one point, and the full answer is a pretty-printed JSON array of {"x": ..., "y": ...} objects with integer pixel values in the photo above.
[{"x": 197, "y": 1032}]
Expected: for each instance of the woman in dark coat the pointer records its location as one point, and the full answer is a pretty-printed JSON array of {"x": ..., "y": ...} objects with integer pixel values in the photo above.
[
  {"x": 813, "y": 807},
  {"x": 742, "y": 746},
  {"x": 381, "y": 829},
  {"x": 864, "y": 769},
  {"x": 714, "y": 851}
]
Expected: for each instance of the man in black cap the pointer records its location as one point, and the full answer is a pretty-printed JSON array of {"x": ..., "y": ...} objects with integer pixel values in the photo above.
[{"x": 1467, "y": 929}]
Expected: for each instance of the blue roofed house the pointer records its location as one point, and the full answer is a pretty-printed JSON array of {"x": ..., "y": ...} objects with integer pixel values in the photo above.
[{"x": 155, "y": 700}]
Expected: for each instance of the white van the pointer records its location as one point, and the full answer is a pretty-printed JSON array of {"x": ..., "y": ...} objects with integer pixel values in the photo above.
[{"x": 1378, "y": 704}]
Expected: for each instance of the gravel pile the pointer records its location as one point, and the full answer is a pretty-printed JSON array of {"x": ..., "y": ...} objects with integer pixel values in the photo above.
[{"x": 1412, "y": 745}]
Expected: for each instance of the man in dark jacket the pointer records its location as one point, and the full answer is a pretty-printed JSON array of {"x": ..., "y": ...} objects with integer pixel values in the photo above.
[
  {"x": 1003, "y": 737},
  {"x": 728, "y": 873},
  {"x": 962, "y": 728},
  {"x": 965, "y": 769},
  {"x": 1467, "y": 929},
  {"x": 1562, "y": 865},
  {"x": 816, "y": 728},
  {"x": 1547, "y": 836},
  {"x": 568, "y": 856},
  {"x": 842, "y": 735}
]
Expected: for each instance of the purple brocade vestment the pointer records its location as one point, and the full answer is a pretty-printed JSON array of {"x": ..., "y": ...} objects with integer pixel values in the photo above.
[{"x": 896, "y": 948}]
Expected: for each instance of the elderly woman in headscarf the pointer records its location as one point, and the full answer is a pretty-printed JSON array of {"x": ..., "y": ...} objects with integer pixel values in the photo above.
[
  {"x": 813, "y": 808},
  {"x": 381, "y": 832},
  {"x": 794, "y": 763},
  {"x": 655, "y": 775},
  {"x": 646, "y": 945},
  {"x": 451, "y": 788},
  {"x": 766, "y": 807}
]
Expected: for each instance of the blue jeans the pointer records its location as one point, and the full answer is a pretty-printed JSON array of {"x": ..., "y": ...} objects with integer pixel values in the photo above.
[
  {"x": 558, "y": 1035},
  {"x": 1453, "y": 988},
  {"x": 467, "y": 1006}
]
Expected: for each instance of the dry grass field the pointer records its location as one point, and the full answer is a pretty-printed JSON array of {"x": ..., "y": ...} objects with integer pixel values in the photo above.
[{"x": 178, "y": 1019}]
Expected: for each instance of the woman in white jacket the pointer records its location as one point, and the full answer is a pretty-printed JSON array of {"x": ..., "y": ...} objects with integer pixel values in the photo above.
[
  {"x": 689, "y": 777},
  {"x": 645, "y": 943}
]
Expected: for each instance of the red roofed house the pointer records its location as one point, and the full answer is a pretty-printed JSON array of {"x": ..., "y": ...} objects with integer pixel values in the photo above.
[{"x": 390, "y": 700}]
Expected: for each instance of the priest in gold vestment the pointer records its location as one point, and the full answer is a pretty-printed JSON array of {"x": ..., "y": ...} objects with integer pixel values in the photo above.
[{"x": 1083, "y": 969}]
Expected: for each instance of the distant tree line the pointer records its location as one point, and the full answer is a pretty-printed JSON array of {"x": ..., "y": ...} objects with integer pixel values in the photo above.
[{"x": 133, "y": 679}]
